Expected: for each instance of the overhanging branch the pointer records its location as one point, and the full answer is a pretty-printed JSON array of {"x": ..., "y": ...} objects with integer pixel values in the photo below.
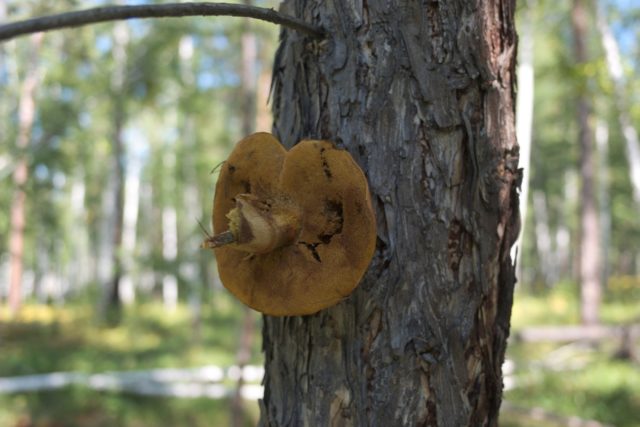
[{"x": 114, "y": 13}]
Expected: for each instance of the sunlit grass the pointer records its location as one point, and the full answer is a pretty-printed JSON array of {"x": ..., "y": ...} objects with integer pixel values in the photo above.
[
  {"x": 560, "y": 306},
  {"x": 45, "y": 339},
  {"x": 78, "y": 407},
  {"x": 565, "y": 380},
  {"x": 602, "y": 389},
  {"x": 569, "y": 379},
  {"x": 554, "y": 309}
]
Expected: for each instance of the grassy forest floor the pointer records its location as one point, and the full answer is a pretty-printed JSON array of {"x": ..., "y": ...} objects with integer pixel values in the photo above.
[
  {"x": 62, "y": 339},
  {"x": 564, "y": 380},
  {"x": 574, "y": 379}
]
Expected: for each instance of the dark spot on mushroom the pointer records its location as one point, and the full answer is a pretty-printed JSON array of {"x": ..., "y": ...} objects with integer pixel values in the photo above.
[
  {"x": 325, "y": 164},
  {"x": 246, "y": 185},
  {"x": 231, "y": 168},
  {"x": 325, "y": 238},
  {"x": 334, "y": 215},
  {"x": 312, "y": 247}
]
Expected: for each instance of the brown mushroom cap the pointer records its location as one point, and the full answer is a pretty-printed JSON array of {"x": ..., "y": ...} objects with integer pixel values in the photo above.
[{"x": 337, "y": 236}]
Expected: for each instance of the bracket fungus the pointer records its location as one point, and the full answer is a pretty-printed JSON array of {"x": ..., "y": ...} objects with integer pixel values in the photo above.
[{"x": 294, "y": 230}]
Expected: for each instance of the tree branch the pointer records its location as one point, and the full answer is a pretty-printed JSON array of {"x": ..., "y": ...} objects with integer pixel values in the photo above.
[{"x": 113, "y": 13}]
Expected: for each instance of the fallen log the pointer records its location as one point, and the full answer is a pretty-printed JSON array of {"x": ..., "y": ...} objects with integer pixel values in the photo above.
[
  {"x": 207, "y": 381},
  {"x": 577, "y": 333}
]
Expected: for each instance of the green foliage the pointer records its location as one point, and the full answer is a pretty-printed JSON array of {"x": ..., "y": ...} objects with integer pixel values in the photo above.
[
  {"x": 600, "y": 388},
  {"x": 47, "y": 339},
  {"x": 554, "y": 155},
  {"x": 180, "y": 116},
  {"x": 77, "y": 407}
]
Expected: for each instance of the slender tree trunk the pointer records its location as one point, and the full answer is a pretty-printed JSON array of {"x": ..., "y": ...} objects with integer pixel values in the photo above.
[
  {"x": 264, "y": 119},
  {"x": 118, "y": 160},
  {"x": 524, "y": 115},
  {"x": 565, "y": 251},
  {"x": 131, "y": 205},
  {"x": 589, "y": 257},
  {"x": 79, "y": 266},
  {"x": 604, "y": 202},
  {"x": 248, "y": 95},
  {"x": 546, "y": 256},
  {"x": 26, "y": 116},
  {"x": 249, "y": 48},
  {"x": 191, "y": 197},
  {"x": 614, "y": 65},
  {"x": 114, "y": 192},
  {"x": 169, "y": 253},
  {"x": 422, "y": 96}
]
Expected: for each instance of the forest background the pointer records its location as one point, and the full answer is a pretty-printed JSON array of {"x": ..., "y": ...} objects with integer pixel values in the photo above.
[{"x": 109, "y": 139}]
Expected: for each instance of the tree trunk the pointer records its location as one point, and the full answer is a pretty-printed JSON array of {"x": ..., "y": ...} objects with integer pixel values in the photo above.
[
  {"x": 26, "y": 116},
  {"x": 114, "y": 192},
  {"x": 422, "y": 96},
  {"x": 546, "y": 257},
  {"x": 169, "y": 238},
  {"x": 524, "y": 116},
  {"x": 604, "y": 201},
  {"x": 614, "y": 65},
  {"x": 130, "y": 207},
  {"x": 79, "y": 273},
  {"x": 589, "y": 256},
  {"x": 248, "y": 95}
]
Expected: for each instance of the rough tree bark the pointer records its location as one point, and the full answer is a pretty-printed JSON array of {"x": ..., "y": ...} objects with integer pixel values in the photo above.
[
  {"x": 589, "y": 263},
  {"x": 422, "y": 96}
]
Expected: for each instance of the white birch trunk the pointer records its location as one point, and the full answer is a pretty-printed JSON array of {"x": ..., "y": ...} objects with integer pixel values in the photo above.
[
  {"x": 104, "y": 266},
  {"x": 169, "y": 253},
  {"x": 524, "y": 118},
  {"x": 129, "y": 228},
  {"x": 111, "y": 273},
  {"x": 79, "y": 267},
  {"x": 614, "y": 65},
  {"x": 190, "y": 200},
  {"x": 543, "y": 238},
  {"x": 602, "y": 145}
]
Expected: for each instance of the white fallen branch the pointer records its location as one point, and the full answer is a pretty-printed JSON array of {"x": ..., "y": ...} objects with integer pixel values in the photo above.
[
  {"x": 205, "y": 381},
  {"x": 575, "y": 333}
]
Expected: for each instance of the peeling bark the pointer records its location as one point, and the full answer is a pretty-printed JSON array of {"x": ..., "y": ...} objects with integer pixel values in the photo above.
[{"x": 422, "y": 96}]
